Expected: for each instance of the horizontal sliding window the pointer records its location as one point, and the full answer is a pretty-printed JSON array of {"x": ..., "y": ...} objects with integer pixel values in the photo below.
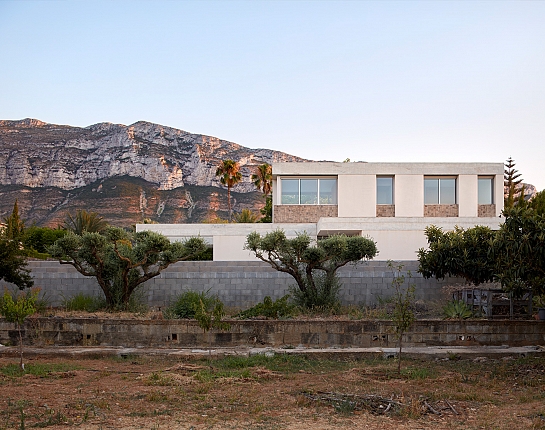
[
  {"x": 305, "y": 191},
  {"x": 439, "y": 191}
]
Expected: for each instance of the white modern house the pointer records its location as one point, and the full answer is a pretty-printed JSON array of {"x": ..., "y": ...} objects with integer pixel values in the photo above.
[{"x": 389, "y": 202}]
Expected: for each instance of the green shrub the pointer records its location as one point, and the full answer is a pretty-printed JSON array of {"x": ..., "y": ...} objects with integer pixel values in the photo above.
[
  {"x": 539, "y": 301},
  {"x": 206, "y": 255},
  {"x": 136, "y": 303},
  {"x": 457, "y": 309},
  {"x": 83, "y": 302},
  {"x": 186, "y": 304},
  {"x": 280, "y": 308},
  {"x": 324, "y": 298},
  {"x": 38, "y": 239}
]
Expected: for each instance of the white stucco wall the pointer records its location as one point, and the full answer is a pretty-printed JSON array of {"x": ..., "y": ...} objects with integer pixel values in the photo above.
[
  {"x": 498, "y": 194},
  {"x": 227, "y": 239},
  {"x": 231, "y": 248},
  {"x": 397, "y": 245},
  {"x": 399, "y": 238},
  {"x": 357, "y": 195},
  {"x": 409, "y": 195},
  {"x": 468, "y": 196}
]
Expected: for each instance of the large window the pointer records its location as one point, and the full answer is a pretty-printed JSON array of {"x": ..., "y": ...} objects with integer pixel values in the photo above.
[
  {"x": 486, "y": 191},
  {"x": 439, "y": 191},
  {"x": 385, "y": 190},
  {"x": 309, "y": 191},
  {"x": 315, "y": 191}
]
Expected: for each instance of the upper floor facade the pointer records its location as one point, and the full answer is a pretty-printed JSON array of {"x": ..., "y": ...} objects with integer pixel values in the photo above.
[
  {"x": 392, "y": 203},
  {"x": 306, "y": 192}
]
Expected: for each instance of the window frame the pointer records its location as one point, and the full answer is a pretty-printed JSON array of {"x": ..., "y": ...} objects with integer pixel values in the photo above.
[
  {"x": 487, "y": 178},
  {"x": 439, "y": 179},
  {"x": 318, "y": 190},
  {"x": 392, "y": 188}
]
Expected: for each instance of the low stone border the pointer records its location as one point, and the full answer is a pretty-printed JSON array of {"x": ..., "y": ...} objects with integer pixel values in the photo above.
[{"x": 56, "y": 331}]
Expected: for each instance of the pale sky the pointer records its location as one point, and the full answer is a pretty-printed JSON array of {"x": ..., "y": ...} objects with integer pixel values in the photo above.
[{"x": 324, "y": 80}]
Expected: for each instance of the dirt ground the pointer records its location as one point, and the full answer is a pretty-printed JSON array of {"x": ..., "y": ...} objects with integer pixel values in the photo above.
[{"x": 278, "y": 392}]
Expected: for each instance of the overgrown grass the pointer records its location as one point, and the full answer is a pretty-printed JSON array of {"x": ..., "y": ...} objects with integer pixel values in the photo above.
[
  {"x": 84, "y": 302},
  {"x": 415, "y": 372},
  {"x": 42, "y": 370},
  {"x": 185, "y": 305},
  {"x": 284, "y": 363},
  {"x": 279, "y": 308}
]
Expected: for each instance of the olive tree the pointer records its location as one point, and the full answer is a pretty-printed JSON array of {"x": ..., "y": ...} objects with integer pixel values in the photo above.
[
  {"x": 313, "y": 264},
  {"x": 120, "y": 260}
]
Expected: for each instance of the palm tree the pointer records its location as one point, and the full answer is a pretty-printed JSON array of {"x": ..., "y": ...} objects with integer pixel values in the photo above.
[
  {"x": 246, "y": 216},
  {"x": 262, "y": 178},
  {"x": 229, "y": 174},
  {"x": 85, "y": 222}
]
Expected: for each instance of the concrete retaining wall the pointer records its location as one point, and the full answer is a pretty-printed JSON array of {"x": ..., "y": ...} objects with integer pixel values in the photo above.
[
  {"x": 311, "y": 333},
  {"x": 238, "y": 284}
]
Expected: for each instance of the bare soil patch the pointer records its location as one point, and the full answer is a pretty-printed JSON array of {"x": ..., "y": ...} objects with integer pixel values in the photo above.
[{"x": 280, "y": 392}]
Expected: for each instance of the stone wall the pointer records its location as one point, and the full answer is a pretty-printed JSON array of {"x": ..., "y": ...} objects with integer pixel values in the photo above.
[
  {"x": 237, "y": 284},
  {"x": 303, "y": 213},
  {"x": 386, "y": 210},
  {"x": 440, "y": 210},
  {"x": 309, "y": 333},
  {"x": 487, "y": 210}
]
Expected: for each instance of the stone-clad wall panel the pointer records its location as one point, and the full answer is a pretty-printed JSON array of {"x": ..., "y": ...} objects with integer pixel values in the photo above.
[
  {"x": 441, "y": 210},
  {"x": 303, "y": 213}
]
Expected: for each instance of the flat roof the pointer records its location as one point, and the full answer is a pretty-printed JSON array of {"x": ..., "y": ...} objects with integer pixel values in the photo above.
[{"x": 360, "y": 168}]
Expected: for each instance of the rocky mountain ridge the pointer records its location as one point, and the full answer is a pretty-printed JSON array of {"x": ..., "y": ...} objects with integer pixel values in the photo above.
[
  {"x": 37, "y": 154},
  {"x": 39, "y": 159},
  {"x": 125, "y": 173}
]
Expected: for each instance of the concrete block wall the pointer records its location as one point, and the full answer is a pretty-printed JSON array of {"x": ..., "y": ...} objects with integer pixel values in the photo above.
[
  {"x": 238, "y": 284},
  {"x": 321, "y": 333}
]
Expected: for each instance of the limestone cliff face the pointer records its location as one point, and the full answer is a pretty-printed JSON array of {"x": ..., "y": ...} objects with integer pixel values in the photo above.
[
  {"x": 125, "y": 173},
  {"x": 36, "y": 154}
]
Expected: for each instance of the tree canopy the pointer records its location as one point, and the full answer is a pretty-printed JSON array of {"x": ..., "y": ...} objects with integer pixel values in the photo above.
[
  {"x": 246, "y": 216},
  {"x": 229, "y": 174},
  {"x": 513, "y": 184},
  {"x": 85, "y": 222},
  {"x": 518, "y": 251},
  {"x": 514, "y": 255},
  {"x": 538, "y": 203},
  {"x": 459, "y": 253},
  {"x": 307, "y": 260},
  {"x": 121, "y": 260},
  {"x": 12, "y": 259},
  {"x": 262, "y": 178}
]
